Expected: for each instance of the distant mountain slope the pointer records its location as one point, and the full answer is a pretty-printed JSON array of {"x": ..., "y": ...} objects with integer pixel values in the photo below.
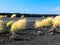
[{"x": 28, "y": 15}]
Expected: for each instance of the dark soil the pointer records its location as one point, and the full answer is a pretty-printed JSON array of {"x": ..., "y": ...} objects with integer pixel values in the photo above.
[{"x": 29, "y": 36}]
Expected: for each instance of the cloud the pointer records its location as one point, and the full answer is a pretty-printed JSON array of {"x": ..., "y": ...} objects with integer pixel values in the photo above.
[
  {"x": 24, "y": 9},
  {"x": 55, "y": 9},
  {"x": 27, "y": 9}
]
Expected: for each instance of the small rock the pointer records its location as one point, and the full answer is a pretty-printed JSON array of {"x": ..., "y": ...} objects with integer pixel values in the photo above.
[
  {"x": 45, "y": 28},
  {"x": 39, "y": 33},
  {"x": 51, "y": 33},
  {"x": 13, "y": 36},
  {"x": 2, "y": 41},
  {"x": 51, "y": 30}
]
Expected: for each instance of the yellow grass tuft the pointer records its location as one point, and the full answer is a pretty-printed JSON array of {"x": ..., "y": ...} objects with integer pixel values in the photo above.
[
  {"x": 56, "y": 22},
  {"x": 1, "y": 25},
  {"x": 19, "y": 25},
  {"x": 22, "y": 17},
  {"x": 37, "y": 24},
  {"x": 5, "y": 16},
  {"x": 9, "y": 23},
  {"x": 2, "y": 16},
  {"x": 13, "y": 16},
  {"x": 44, "y": 22},
  {"x": 48, "y": 21}
]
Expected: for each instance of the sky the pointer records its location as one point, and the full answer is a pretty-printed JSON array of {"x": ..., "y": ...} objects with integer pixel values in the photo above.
[{"x": 30, "y": 6}]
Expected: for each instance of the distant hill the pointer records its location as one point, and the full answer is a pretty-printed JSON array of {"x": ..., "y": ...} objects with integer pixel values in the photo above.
[{"x": 28, "y": 15}]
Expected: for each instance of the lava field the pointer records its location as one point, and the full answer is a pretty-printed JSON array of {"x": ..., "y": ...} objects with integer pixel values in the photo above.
[{"x": 29, "y": 35}]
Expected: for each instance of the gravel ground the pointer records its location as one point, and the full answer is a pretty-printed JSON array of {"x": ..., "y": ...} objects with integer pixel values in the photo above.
[{"x": 29, "y": 36}]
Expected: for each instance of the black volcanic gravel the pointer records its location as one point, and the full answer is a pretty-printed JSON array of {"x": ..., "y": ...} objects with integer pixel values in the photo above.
[{"x": 29, "y": 36}]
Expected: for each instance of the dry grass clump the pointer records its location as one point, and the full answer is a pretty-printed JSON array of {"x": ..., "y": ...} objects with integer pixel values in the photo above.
[
  {"x": 56, "y": 22},
  {"x": 9, "y": 23},
  {"x": 1, "y": 25},
  {"x": 37, "y": 24},
  {"x": 44, "y": 22},
  {"x": 3, "y": 16},
  {"x": 48, "y": 21},
  {"x": 19, "y": 25},
  {"x": 13, "y": 16},
  {"x": 42, "y": 16},
  {"x": 22, "y": 16}
]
